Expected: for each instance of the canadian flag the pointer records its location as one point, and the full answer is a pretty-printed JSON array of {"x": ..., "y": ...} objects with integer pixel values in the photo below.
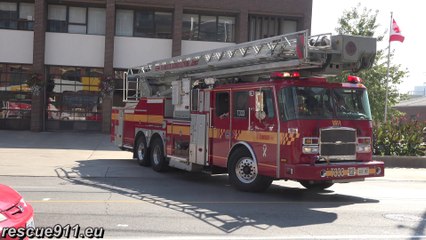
[{"x": 395, "y": 33}]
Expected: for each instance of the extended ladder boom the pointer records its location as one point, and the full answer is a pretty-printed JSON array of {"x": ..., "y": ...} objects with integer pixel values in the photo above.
[
  {"x": 321, "y": 54},
  {"x": 279, "y": 48}
]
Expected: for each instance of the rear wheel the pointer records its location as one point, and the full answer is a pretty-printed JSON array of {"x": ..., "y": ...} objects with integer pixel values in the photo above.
[
  {"x": 141, "y": 151},
  {"x": 243, "y": 173},
  {"x": 158, "y": 160},
  {"x": 316, "y": 185}
]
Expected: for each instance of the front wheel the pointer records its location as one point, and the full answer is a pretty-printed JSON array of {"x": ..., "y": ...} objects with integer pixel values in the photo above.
[
  {"x": 316, "y": 185},
  {"x": 243, "y": 173}
]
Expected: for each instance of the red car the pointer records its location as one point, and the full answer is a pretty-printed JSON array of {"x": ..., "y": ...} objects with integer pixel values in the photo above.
[{"x": 14, "y": 211}]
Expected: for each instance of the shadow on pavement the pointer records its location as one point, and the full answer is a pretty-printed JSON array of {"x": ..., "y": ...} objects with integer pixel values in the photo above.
[
  {"x": 56, "y": 140},
  {"x": 420, "y": 229},
  {"x": 210, "y": 198}
]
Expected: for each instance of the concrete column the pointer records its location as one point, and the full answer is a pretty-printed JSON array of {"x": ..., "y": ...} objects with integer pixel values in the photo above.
[
  {"x": 38, "y": 101},
  {"x": 242, "y": 25},
  {"x": 177, "y": 29},
  {"x": 108, "y": 62},
  {"x": 109, "y": 37}
]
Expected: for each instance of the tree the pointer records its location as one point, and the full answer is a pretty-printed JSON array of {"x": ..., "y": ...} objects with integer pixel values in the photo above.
[{"x": 362, "y": 21}]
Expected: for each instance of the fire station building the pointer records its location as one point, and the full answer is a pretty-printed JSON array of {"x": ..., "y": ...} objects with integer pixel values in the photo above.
[{"x": 62, "y": 61}]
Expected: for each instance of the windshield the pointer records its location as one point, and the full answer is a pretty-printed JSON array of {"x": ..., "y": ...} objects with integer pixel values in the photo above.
[{"x": 323, "y": 103}]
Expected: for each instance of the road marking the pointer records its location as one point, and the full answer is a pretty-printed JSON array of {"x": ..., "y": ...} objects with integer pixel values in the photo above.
[
  {"x": 150, "y": 200},
  {"x": 153, "y": 200},
  {"x": 45, "y": 199},
  {"x": 35, "y": 187},
  {"x": 295, "y": 237},
  {"x": 122, "y": 225}
]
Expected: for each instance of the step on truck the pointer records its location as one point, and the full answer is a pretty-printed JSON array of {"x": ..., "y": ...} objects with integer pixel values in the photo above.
[{"x": 259, "y": 111}]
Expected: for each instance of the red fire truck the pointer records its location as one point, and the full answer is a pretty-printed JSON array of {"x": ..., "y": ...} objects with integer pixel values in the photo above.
[{"x": 259, "y": 111}]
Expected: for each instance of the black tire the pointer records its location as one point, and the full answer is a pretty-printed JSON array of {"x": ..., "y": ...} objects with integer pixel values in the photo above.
[
  {"x": 141, "y": 151},
  {"x": 243, "y": 173},
  {"x": 158, "y": 160},
  {"x": 316, "y": 185}
]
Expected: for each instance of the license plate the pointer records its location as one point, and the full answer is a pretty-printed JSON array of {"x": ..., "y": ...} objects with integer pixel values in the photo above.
[
  {"x": 30, "y": 223},
  {"x": 363, "y": 171},
  {"x": 351, "y": 171}
]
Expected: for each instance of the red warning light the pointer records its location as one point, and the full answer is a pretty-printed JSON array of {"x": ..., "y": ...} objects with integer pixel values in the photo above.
[
  {"x": 275, "y": 75},
  {"x": 296, "y": 74},
  {"x": 354, "y": 79}
]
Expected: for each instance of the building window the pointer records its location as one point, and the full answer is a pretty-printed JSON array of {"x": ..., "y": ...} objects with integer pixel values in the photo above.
[
  {"x": 124, "y": 23},
  {"x": 74, "y": 93},
  {"x": 17, "y": 15},
  {"x": 269, "y": 26},
  {"x": 190, "y": 26},
  {"x": 57, "y": 18},
  {"x": 208, "y": 28},
  {"x": 79, "y": 20},
  {"x": 15, "y": 96},
  {"x": 118, "y": 88},
  {"x": 163, "y": 24},
  {"x": 226, "y": 29},
  {"x": 144, "y": 24},
  {"x": 96, "y": 21},
  {"x": 147, "y": 24}
]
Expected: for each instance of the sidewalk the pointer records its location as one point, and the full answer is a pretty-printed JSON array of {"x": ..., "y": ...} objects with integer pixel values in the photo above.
[
  {"x": 74, "y": 154},
  {"x": 24, "y": 153}
]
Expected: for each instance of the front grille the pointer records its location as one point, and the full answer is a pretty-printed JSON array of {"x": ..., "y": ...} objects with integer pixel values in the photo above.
[{"x": 338, "y": 143}]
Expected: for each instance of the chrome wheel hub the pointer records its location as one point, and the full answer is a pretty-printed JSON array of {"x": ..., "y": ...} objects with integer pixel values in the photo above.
[
  {"x": 141, "y": 151},
  {"x": 246, "y": 170},
  {"x": 156, "y": 155}
]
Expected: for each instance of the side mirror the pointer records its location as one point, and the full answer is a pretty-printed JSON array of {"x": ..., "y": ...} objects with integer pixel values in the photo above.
[{"x": 260, "y": 114}]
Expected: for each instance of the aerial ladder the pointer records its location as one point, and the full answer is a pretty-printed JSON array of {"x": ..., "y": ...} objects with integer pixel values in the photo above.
[{"x": 323, "y": 54}]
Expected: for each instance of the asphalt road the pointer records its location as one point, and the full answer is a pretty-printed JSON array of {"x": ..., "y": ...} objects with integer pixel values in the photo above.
[{"x": 89, "y": 183}]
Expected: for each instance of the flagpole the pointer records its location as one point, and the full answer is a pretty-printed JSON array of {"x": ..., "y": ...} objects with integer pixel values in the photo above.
[{"x": 387, "y": 72}]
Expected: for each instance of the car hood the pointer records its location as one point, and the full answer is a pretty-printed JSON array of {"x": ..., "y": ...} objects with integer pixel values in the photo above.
[{"x": 8, "y": 197}]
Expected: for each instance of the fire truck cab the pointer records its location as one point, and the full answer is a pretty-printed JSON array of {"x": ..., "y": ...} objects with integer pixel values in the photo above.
[{"x": 259, "y": 111}]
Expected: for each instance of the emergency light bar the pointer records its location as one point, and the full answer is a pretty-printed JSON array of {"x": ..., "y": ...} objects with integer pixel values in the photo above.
[
  {"x": 275, "y": 75},
  {"x": 354, "y": 79}
]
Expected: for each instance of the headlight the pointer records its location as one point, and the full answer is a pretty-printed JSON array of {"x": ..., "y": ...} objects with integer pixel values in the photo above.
[
  {"x": 310, "y": 149},
  {"x": 364, "y": 145},
  {"x": 2, "y": 217},
  {"x": 23, "y": 202},
  {"x": 310, "y": 145}
]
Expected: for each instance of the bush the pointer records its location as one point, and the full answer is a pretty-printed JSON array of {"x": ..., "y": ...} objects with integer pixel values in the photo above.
[{"x": 399, "y": 137}]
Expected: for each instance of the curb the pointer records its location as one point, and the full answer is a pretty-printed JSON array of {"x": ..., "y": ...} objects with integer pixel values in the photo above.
[{"x": 402, "y": 161}]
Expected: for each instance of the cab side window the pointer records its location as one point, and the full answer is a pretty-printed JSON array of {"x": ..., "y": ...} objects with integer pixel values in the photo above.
[
  {"x": 222, "y": 104},
  {"x": 240, "y": 105},
  {"x": 268, "y": 103}
]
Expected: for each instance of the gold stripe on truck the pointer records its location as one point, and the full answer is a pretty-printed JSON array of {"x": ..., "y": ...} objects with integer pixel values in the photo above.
[
  {"x": 140, "y": 118},
  {"x": 258, "y": 137},
  {"x": 178, "y": 130}
]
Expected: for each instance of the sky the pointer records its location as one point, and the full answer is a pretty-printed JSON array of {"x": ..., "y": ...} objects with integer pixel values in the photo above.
[{"x": 408, "y": 14}]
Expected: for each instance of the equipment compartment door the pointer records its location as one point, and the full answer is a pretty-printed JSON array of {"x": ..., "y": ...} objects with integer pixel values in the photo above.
[
  {"x": 118, "y": 129},
  {"x": 220, "y": 131},
  {"x": 197, "y": 146}
]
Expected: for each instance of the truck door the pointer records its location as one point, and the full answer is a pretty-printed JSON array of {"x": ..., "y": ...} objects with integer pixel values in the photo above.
[
  {"x": 220, "y": 131},
  {"x": 242, "y": 106},
  {"x": 265, "y": 122}
]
